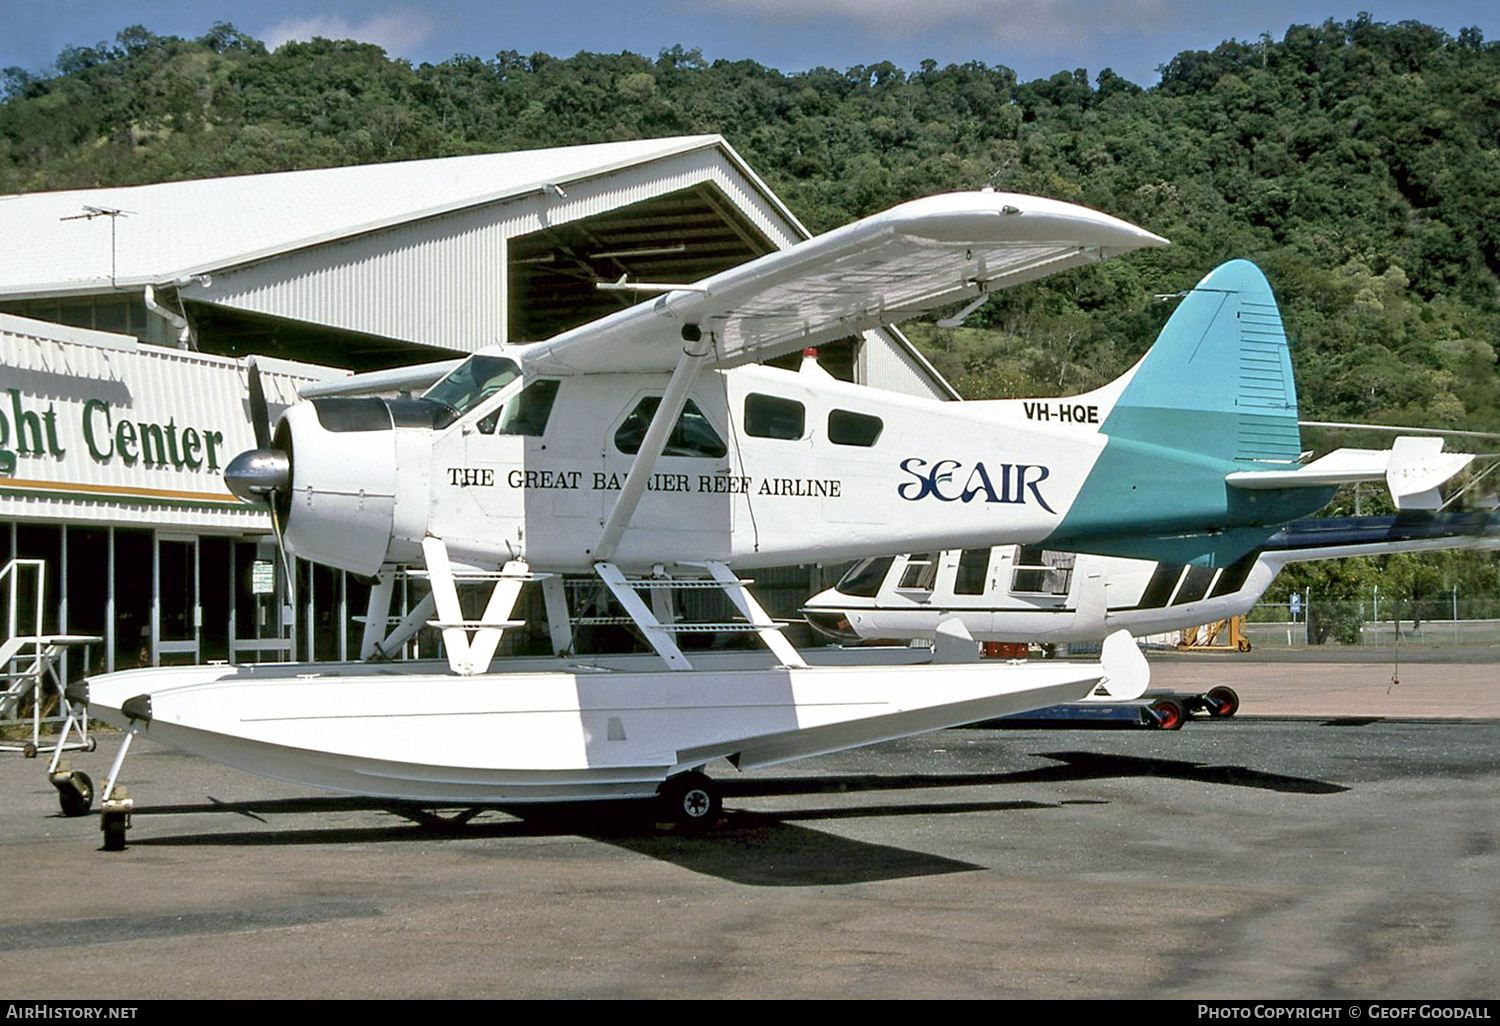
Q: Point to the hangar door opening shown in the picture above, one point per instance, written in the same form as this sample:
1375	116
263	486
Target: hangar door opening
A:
191	578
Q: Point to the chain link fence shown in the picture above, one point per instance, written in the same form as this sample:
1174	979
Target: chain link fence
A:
1439	620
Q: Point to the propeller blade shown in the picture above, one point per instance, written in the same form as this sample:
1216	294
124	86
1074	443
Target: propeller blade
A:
260	414
286	562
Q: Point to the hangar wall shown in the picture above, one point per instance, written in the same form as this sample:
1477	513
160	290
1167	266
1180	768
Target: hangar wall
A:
441	280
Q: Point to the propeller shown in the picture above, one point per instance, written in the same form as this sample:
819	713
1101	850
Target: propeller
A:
263	475
260	414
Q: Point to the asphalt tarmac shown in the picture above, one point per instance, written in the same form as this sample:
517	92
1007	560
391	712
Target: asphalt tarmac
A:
1337	839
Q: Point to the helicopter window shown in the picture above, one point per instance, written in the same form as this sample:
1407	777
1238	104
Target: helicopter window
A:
527	414
972	567
769	416
1041	571
863	579
920	572
848	428
693	435
472	382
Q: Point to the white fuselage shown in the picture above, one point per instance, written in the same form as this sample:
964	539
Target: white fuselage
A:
770	467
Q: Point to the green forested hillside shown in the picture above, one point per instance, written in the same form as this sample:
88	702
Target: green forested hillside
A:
1357	162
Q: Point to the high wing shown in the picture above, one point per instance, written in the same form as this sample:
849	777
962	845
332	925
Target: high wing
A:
879	270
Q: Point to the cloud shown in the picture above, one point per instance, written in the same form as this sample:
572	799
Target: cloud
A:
398	30
1045	24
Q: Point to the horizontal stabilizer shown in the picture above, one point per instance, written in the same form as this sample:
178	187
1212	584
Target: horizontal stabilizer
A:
1418	468
1413	469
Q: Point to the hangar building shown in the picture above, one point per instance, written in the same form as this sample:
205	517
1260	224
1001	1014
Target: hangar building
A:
126	314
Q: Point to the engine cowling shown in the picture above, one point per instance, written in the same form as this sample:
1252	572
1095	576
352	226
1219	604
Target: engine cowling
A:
340	505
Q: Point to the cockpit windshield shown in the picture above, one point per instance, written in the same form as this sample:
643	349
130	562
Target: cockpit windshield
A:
471	383
864	578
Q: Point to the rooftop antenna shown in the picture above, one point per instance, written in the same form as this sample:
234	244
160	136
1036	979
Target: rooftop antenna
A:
113	213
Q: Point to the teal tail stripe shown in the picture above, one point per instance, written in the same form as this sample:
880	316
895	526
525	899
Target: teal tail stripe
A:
1215	394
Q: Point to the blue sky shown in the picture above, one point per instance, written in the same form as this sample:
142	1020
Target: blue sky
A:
1034	37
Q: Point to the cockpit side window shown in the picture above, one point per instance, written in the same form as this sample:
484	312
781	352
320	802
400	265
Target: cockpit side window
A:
525	414
471	383
694	434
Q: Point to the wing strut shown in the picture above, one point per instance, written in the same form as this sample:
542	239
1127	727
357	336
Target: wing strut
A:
471	644
694	356
384	634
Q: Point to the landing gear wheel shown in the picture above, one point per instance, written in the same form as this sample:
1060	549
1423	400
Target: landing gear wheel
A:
691	800
29	750
1223	702
114	825
1169	713
91	744
75	792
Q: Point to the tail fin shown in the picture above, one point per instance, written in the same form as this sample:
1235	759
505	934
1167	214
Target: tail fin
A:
1212	400
1218	381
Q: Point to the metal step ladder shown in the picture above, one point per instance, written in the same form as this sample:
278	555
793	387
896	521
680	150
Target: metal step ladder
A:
660	626
29	666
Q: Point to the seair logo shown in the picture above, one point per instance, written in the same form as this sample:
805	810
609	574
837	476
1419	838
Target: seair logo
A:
1015	481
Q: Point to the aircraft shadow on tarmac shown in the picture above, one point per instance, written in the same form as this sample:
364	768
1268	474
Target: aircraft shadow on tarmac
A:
748	847
1075	765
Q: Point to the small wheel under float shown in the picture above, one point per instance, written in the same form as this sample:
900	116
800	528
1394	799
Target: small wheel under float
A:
691	801
114	819
114	825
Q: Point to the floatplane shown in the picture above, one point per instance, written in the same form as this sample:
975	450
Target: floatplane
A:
651	450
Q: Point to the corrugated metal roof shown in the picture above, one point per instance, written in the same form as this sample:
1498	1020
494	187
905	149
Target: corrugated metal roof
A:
60	241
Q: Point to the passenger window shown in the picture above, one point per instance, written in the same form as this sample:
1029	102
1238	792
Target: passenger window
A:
973	567
920	573
848	428
694	435
527	414
1041	571
769	416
